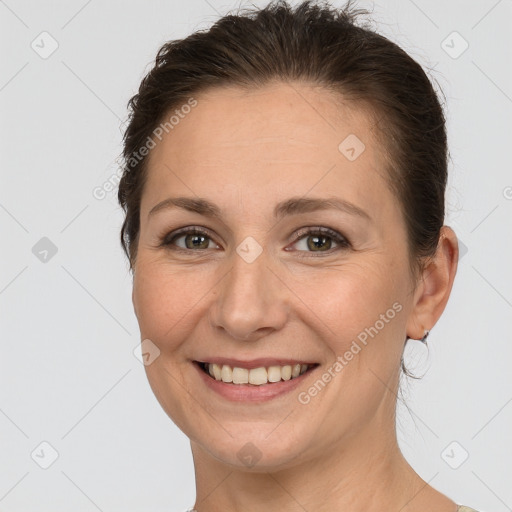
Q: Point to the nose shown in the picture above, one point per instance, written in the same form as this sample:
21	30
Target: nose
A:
252	300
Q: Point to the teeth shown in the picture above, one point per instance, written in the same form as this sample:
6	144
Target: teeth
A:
240	376
255	376
226	374
274	373
286	372
217	373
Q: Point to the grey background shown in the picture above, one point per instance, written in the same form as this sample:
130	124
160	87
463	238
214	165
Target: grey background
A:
68	373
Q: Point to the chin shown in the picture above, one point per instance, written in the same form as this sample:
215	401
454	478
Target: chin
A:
256	451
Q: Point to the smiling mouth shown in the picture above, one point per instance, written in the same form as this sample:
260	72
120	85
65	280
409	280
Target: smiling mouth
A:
255	376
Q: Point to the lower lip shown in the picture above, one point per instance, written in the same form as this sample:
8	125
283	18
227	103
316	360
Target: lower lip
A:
250	392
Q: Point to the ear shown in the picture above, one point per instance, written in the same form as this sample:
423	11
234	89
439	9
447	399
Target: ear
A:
435	285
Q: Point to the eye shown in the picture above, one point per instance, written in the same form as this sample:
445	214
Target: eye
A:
313	240
320	240
194	238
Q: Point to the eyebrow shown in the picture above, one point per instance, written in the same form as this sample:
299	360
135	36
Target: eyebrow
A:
292	206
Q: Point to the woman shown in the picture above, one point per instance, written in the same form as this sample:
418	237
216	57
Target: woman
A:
284	190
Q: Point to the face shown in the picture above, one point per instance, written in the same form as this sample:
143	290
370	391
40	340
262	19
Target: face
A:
271	276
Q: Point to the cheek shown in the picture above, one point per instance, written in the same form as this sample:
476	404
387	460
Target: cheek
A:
359	305
167	302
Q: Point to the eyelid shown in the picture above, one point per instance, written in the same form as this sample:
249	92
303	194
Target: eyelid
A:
308	230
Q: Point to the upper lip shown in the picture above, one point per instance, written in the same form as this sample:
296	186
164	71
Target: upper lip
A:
254	363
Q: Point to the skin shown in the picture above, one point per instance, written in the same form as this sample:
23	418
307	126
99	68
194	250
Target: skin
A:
246	151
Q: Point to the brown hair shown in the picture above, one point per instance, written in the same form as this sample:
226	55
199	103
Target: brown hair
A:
318	44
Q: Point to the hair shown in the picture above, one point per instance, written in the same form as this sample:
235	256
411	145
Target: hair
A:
320	45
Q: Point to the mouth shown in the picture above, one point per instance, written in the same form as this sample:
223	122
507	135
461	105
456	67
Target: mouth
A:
255	375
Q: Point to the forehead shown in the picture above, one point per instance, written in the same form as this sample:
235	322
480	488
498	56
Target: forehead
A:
272	142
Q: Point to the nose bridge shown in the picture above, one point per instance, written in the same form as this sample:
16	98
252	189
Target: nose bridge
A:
249	303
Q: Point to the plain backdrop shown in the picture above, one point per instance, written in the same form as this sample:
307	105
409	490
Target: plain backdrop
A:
73	396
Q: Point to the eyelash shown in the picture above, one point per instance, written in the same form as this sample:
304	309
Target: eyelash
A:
342	241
